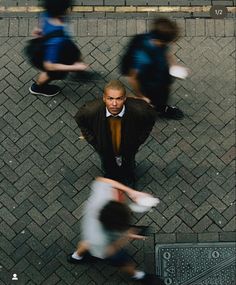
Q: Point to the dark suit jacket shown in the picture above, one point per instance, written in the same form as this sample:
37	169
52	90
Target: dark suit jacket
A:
136	125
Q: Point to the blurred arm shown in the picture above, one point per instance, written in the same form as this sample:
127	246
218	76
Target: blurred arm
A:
117	245
140	60
133	81
171	59
37	32
77	66
133	194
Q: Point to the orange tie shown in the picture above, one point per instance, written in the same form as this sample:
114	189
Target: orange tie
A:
115	127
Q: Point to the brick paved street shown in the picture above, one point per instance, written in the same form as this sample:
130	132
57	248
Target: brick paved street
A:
46	168
125	2
125	8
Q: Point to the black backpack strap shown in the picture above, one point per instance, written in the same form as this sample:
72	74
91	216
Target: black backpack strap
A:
54	34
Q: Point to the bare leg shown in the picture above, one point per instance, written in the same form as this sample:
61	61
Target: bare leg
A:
129	269
43	78
82	248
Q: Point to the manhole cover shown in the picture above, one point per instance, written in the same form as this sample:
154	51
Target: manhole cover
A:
197	264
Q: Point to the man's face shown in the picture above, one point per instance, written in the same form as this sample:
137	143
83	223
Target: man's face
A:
114	100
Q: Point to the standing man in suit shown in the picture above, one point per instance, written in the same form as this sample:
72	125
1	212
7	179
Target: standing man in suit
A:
116	126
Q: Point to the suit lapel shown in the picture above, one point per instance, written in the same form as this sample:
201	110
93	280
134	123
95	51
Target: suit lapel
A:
105	134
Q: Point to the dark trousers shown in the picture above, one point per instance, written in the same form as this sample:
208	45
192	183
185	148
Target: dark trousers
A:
158	92
57	75
160	98
123	173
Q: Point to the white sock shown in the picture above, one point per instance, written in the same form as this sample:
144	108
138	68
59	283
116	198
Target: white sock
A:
76	256
138	275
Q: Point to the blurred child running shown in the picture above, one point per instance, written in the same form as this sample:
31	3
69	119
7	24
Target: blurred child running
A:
106	229
60	53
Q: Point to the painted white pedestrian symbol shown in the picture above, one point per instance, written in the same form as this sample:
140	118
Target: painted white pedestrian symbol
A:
14	277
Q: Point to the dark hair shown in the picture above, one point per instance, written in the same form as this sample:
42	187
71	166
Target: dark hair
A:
115	216
165	30
57	8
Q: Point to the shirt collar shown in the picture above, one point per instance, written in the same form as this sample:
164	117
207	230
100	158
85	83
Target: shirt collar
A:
121	114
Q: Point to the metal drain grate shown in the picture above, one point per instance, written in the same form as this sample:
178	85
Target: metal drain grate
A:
197	264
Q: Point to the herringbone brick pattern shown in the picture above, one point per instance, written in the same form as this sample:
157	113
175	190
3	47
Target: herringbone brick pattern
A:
46	168
125	2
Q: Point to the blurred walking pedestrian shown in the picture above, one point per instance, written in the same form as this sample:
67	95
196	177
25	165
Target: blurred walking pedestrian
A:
116	126
146	64
60	54
106	230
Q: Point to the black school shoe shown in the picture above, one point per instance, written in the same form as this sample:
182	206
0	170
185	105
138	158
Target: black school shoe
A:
70	259
87	258
151	279
172	112
44	90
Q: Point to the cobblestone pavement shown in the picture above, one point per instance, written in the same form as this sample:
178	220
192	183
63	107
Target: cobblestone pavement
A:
125	2
46	169
127	8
